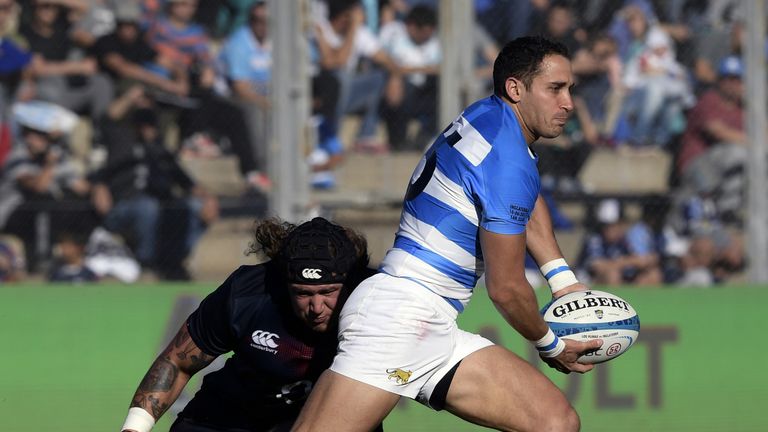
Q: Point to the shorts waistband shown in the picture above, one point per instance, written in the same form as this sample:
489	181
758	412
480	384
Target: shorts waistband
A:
455	303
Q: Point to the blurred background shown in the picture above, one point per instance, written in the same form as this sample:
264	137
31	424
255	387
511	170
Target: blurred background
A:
139	140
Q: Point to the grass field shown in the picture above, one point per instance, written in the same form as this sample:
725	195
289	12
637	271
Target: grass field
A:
72	357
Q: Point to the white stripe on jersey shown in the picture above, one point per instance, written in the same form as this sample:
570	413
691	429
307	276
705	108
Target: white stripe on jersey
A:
445	190
433	240
400	263
472	144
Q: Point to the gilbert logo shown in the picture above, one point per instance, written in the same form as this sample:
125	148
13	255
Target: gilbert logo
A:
265	341
310	273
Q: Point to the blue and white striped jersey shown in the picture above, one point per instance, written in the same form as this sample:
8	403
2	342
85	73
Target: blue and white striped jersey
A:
478	173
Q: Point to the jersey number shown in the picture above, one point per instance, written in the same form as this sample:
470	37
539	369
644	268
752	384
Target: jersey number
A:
428	163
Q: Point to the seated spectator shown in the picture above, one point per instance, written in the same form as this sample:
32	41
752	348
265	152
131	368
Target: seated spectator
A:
711	46
183	46
608	257
658	91
94	19
12	266
246	58
146	196
15	63
69	260
597	70
15	59
650	237
64	73
561	158
412	93
124	55
718	116
39	177
558	25
347	47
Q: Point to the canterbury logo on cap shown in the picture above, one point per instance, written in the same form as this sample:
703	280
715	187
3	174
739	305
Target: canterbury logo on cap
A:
311	273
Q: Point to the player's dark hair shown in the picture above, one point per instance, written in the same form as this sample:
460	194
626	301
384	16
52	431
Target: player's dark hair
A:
421	16
316	244
521	59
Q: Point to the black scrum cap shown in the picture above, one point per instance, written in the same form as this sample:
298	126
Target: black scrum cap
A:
318	252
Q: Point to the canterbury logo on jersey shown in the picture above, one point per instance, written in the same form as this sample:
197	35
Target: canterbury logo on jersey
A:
265	341
310	273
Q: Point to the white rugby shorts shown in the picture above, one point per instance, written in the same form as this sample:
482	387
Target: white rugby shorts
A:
397	335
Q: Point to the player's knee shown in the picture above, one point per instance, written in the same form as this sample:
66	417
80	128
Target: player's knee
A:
565	419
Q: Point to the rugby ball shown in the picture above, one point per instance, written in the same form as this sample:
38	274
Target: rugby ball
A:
588	315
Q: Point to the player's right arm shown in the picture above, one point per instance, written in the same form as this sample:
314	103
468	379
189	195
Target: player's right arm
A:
168	375
514	298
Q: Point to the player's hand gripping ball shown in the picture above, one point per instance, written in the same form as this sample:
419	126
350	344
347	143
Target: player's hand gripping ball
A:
588	315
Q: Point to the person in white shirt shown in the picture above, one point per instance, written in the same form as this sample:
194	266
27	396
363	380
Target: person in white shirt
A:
412	94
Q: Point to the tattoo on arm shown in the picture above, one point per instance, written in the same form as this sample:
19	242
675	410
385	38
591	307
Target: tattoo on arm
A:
181	359
187	353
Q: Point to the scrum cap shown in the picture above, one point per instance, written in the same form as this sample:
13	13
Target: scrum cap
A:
318	252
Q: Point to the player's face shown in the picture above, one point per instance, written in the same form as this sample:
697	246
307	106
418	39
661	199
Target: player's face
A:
315	304
545	106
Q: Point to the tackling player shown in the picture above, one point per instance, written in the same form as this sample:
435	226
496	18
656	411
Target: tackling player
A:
472	207
279	318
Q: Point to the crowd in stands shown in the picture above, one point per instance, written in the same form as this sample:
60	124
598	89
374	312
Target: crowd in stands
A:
650	75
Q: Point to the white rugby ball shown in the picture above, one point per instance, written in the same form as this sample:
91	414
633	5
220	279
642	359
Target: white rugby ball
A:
589	315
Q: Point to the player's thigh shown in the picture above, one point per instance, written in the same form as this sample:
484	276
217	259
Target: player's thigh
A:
339	403
495	388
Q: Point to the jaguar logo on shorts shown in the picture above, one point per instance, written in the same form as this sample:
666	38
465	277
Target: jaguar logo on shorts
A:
599	313
400	376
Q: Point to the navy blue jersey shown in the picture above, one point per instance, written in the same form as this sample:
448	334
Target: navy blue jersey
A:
276	357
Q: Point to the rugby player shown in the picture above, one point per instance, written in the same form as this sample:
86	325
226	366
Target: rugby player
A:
472	207
279	318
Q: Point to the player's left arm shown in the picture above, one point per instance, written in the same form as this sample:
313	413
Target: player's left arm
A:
168	375
542	244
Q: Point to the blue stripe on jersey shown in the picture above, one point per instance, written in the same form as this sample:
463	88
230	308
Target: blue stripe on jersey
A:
452	224
466	278
478	172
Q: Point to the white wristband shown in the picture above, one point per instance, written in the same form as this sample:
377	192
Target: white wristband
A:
558	274
550	345
138	420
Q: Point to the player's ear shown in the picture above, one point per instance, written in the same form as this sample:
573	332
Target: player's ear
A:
513	87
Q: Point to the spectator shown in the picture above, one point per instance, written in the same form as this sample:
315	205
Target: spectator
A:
11	259
718	116
712	259
561	158
69	265
342	42
412	94
183	46
608	257
15	59
137	192
598	70
94	19
14	73
64	74
39	177
124	54
650	237
657	87
246	57
559	26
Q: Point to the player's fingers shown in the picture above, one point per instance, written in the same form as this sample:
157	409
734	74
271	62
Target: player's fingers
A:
581	367
591	346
